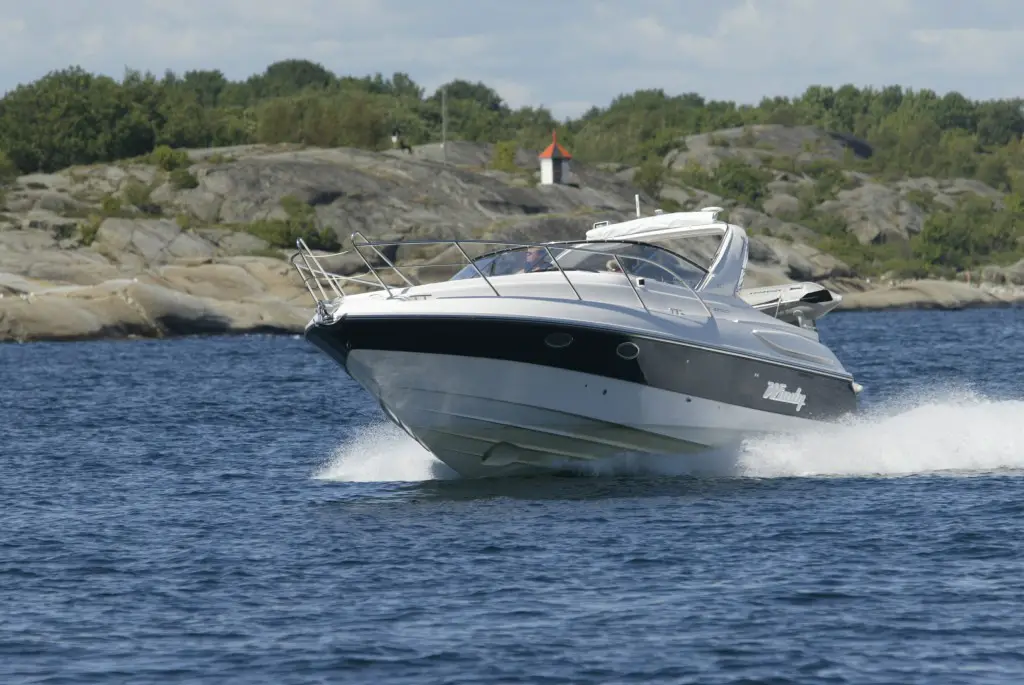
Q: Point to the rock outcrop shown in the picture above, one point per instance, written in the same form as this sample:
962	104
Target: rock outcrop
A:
129	249
931	294
1012	275
753	144
125	250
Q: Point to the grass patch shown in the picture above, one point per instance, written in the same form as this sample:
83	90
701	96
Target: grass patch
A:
300	223
219	158
184	222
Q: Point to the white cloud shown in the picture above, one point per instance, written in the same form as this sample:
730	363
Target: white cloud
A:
972	50
569	54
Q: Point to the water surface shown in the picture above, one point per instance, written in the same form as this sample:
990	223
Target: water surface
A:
233	510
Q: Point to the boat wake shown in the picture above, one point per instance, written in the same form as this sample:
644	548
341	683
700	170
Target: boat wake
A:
382	452
957	433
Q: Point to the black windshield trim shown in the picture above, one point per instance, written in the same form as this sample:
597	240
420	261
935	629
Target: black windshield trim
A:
569	243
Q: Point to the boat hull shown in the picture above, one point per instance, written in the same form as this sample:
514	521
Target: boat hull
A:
502	398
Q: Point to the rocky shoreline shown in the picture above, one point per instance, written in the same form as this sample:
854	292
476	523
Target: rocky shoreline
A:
933	294
141	249
143	308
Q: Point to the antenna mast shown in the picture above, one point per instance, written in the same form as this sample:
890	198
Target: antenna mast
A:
444	124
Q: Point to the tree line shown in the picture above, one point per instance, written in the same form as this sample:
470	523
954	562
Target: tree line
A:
71	117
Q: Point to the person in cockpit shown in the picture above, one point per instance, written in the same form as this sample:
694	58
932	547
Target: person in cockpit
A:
536	260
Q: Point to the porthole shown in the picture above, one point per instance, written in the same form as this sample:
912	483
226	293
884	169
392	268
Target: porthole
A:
558	340
627	350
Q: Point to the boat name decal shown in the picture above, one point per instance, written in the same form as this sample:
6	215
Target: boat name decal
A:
777	392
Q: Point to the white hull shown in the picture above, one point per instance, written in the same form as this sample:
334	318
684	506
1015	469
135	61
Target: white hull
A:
552	356
484	417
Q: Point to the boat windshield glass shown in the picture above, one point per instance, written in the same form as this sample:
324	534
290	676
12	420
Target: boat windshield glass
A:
647	261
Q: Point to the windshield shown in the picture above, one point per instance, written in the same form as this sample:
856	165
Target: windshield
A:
645	261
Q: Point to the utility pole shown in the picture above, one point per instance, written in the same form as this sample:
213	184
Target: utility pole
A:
444	125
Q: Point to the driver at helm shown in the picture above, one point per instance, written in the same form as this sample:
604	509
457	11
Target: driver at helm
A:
536	260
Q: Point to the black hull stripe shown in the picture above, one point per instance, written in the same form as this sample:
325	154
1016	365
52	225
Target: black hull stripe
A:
688	370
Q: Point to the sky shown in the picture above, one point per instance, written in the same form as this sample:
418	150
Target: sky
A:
566	55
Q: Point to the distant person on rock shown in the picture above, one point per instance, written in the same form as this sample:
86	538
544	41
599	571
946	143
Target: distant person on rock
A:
398	141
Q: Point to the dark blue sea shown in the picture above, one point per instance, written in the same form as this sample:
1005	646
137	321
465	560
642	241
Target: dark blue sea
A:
234	510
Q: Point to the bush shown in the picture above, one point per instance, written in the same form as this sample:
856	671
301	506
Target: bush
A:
169	159
504	157
111	205
137	195
972	233
301	223
650	177
734	179
88	230
285	234
923	199
8	172
742	182
995	172
183	179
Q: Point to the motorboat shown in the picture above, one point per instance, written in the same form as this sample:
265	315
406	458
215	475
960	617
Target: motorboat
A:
541	356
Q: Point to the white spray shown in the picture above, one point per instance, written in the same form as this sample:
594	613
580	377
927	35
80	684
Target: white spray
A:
957	433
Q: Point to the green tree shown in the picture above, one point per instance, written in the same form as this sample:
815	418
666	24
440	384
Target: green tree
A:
504	156
970	234
73	117
740	181
650	177
8	170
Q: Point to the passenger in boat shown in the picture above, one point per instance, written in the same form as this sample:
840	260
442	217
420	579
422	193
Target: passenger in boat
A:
537	260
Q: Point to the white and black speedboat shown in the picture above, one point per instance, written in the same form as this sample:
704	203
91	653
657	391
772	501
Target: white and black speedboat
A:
535	356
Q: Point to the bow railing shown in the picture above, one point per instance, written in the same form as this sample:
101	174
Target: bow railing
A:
326	286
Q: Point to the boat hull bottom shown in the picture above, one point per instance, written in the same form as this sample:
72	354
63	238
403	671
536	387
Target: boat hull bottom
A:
489	418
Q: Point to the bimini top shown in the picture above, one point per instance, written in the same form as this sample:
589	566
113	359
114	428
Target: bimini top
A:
725	275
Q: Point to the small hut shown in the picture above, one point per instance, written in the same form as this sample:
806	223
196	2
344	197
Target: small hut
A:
554	163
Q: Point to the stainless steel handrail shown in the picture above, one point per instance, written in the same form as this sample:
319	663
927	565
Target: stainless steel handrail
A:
373	271
331	280
477	267
312	267
554	261
352	239
632	285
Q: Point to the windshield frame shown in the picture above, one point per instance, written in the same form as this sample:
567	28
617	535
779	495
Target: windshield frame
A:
470	270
